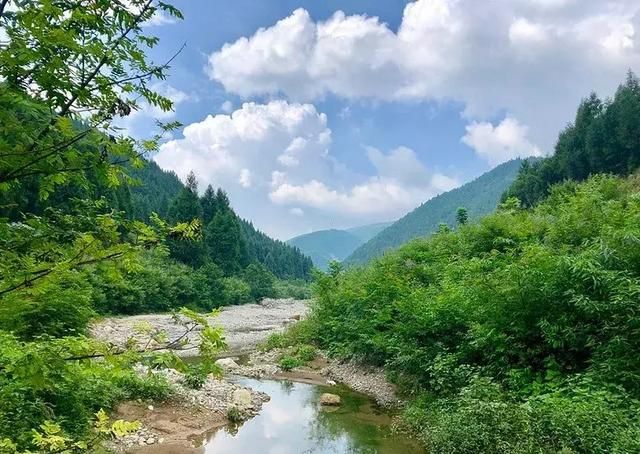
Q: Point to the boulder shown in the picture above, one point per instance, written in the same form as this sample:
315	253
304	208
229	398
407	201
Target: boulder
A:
241	399
227	364
329	399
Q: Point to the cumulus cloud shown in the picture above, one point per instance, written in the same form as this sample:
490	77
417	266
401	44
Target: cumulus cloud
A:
534	59
274	160
401	183
500	143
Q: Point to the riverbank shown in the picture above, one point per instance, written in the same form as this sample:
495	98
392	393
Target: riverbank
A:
183	422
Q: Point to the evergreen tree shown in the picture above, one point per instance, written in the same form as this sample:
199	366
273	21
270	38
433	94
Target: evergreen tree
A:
602	139
462	216
223	239
208	202
186	207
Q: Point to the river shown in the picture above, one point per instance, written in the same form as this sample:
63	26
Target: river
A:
293	422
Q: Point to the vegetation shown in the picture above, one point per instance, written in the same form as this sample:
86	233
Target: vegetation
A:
88	225
517	333
602	139
479	197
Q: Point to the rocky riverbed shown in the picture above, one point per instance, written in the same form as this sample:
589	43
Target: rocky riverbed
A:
244	326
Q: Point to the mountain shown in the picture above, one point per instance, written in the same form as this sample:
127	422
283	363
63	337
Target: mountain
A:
479	197
326	245
366	232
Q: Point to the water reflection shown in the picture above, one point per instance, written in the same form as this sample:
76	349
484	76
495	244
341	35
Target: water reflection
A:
293	423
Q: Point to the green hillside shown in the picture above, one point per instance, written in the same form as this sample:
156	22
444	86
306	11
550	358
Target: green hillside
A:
479	197
326	245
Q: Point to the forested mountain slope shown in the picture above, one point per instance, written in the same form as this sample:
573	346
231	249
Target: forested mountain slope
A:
479	197
326	245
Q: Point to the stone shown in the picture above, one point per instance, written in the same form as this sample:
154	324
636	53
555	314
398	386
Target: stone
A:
150	407
329	399
227	364
151	440
331	383
242	399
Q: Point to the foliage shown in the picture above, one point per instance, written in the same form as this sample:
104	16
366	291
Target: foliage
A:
236	291
296	289
480	197
518	305
234	415
260	281
288	363
602	139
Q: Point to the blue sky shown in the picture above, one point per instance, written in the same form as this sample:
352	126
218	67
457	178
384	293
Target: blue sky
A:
333	114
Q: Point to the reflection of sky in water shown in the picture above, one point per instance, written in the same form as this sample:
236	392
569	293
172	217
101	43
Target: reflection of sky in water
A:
293	423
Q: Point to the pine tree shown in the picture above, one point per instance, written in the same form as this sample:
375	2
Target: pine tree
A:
223	239
208	202
462	216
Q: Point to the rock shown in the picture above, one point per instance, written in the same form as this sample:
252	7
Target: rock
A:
329	399
227	364
151	440
331	383
242	399
296	317
150	407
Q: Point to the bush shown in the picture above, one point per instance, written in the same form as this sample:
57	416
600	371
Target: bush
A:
305	353
288	363
260	281
297	289
236	291
195	378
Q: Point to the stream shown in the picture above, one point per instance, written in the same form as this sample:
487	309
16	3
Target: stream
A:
293	422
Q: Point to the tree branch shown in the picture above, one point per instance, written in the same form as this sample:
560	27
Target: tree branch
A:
3	5
37	275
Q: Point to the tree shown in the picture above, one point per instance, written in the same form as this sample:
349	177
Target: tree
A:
223	239
68	70
260	280
208	202
185	207
462	216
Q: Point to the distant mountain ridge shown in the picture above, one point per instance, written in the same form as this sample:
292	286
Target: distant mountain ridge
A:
323	246
479	197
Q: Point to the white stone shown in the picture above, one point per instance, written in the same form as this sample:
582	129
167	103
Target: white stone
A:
242	399
329	399
227	364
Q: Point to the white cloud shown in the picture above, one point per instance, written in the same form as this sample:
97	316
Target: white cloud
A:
532	58
245	178
274	160
401	183
500	143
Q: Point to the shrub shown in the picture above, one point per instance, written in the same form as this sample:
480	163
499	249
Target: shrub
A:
288	363
234	415
305	353
236	291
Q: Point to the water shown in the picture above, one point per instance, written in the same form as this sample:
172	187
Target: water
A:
293	422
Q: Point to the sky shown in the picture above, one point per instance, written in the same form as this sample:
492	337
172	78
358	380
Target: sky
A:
333	114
